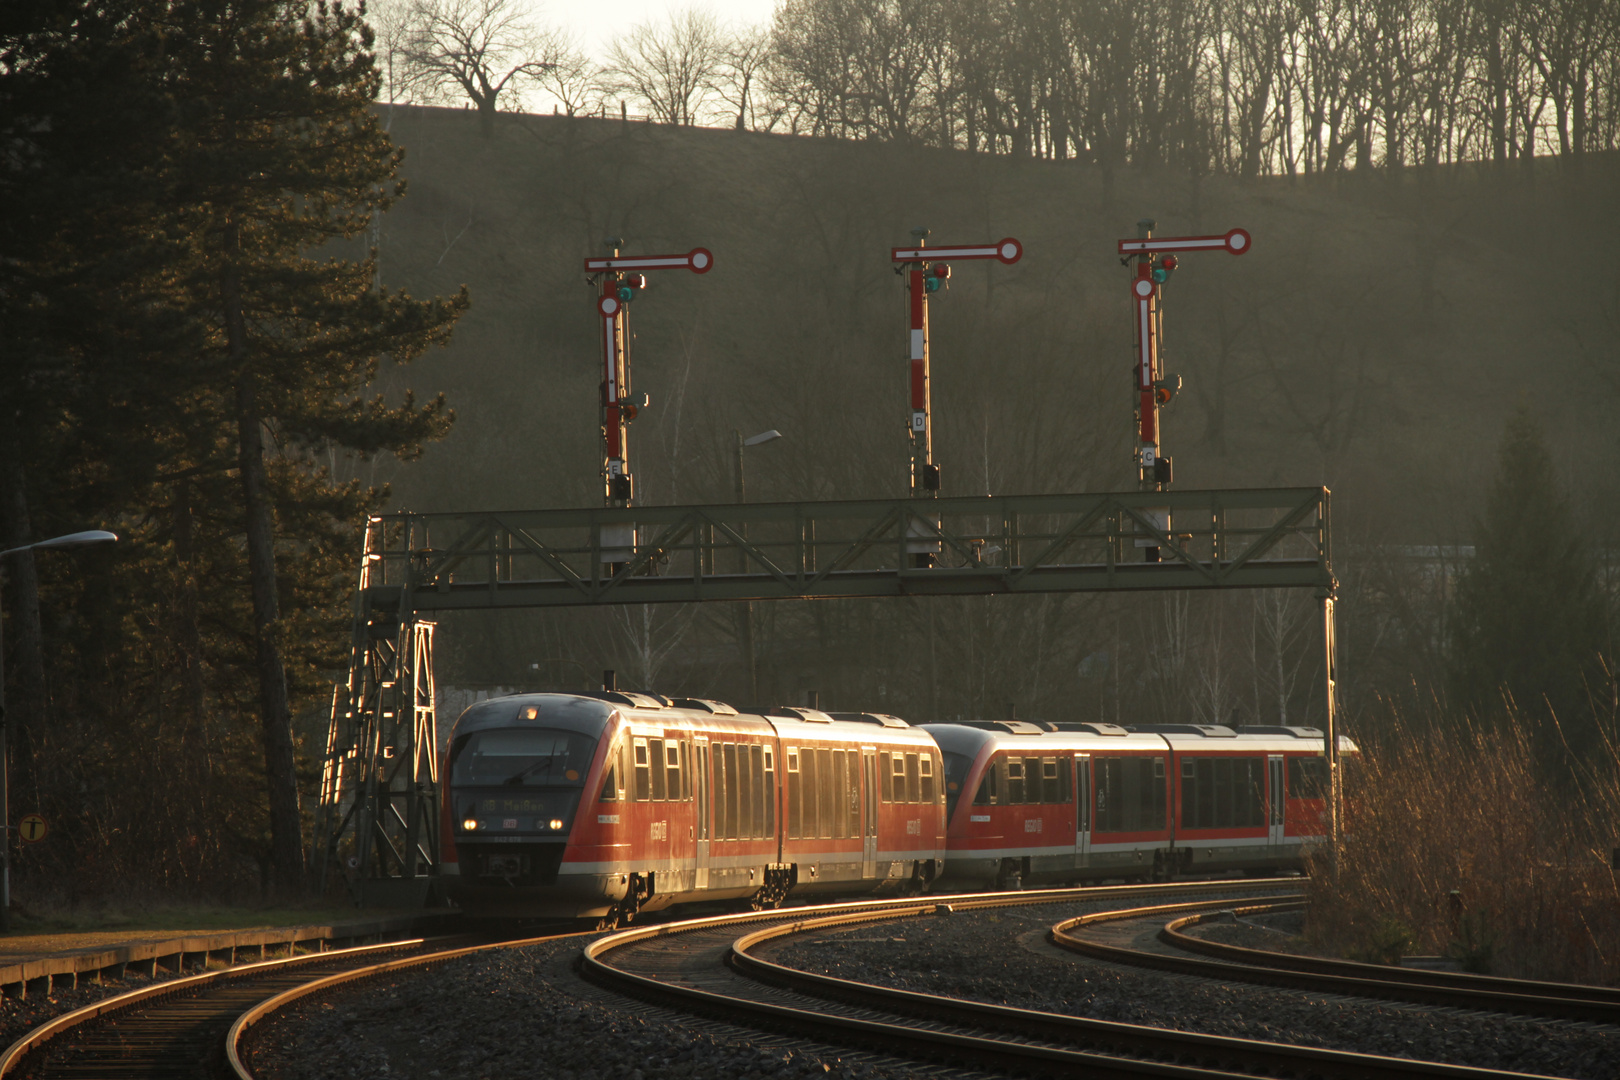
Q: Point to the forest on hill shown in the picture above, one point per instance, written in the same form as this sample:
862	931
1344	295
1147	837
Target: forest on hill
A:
1380	335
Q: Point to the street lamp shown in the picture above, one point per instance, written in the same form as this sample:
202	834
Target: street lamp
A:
71	540
747	634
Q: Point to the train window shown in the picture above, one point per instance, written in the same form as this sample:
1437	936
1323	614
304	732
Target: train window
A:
825	796
1222	792
1065	781
887	771
809	763
913	779
768	788
1015	781
989	793
897	770
956	770
1307	778
836	790
925	793
655	751
1130	793
794	793
728	764
672	770
643	772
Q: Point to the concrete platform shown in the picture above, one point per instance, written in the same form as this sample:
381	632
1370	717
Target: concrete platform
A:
39	963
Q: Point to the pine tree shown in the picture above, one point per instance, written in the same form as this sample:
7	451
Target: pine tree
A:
275	153
1528	625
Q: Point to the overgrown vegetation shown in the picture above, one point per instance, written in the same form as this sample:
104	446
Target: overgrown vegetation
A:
1455	844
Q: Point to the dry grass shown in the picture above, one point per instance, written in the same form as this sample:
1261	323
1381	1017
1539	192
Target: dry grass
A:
1455	844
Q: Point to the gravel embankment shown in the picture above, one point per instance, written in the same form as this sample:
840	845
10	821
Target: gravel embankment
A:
516	1013
1003	957
526	1013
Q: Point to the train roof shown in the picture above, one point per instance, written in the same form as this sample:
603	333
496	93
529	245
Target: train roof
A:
1101	738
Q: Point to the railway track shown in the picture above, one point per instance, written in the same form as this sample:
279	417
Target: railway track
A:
704	968
718	968
1520	997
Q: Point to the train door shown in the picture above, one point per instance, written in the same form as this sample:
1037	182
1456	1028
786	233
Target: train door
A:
869	812
700	800
1082	809
1274	766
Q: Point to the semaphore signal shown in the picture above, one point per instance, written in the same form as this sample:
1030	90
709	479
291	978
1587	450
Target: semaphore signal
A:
1156	260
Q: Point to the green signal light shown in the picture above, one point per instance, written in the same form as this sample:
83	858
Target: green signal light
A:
1160	275
627	294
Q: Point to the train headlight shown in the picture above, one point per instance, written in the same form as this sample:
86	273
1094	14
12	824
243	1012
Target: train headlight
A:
555	823
471	824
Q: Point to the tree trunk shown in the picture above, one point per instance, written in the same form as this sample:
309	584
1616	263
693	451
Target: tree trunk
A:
27	698
281	778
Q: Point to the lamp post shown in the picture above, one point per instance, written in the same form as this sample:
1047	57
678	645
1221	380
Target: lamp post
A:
71	540
747	634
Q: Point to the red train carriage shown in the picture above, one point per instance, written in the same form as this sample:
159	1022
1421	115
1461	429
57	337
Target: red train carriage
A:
1031	805
588	805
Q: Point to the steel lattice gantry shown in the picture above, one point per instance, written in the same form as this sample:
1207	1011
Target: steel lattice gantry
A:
377	820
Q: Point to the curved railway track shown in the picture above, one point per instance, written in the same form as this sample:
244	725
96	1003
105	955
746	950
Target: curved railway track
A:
1521	997
716	968
701	967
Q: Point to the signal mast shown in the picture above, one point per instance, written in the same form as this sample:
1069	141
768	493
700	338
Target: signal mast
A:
922	279
621	281
1155	262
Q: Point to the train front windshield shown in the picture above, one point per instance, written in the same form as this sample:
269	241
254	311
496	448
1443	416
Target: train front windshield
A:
523	758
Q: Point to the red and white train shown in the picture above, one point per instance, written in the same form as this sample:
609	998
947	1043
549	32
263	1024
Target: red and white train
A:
605	804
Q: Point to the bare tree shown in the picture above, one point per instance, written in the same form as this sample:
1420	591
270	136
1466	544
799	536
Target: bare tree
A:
569	75
670	68
739	81
480	48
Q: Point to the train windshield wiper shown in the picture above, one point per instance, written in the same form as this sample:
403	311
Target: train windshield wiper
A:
518	778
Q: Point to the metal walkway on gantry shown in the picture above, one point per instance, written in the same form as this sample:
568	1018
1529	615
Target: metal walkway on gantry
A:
378	814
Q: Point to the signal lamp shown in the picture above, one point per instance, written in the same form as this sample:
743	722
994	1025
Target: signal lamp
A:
1169	262
471	824
555	823
931	284
942	271
635	281
627	294
1160	276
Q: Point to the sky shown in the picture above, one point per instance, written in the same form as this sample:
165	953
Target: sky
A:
594	23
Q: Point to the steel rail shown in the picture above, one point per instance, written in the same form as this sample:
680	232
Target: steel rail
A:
56	1026
1106	1036
1172	935
1113	1050
239	1029
1375	983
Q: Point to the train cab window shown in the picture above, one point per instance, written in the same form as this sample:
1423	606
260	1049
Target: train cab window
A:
956	770
1307	778
527	757
989	793
613	782
925	792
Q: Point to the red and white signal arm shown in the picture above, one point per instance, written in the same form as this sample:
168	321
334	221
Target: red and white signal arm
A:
1007	250
1237	242
698	260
